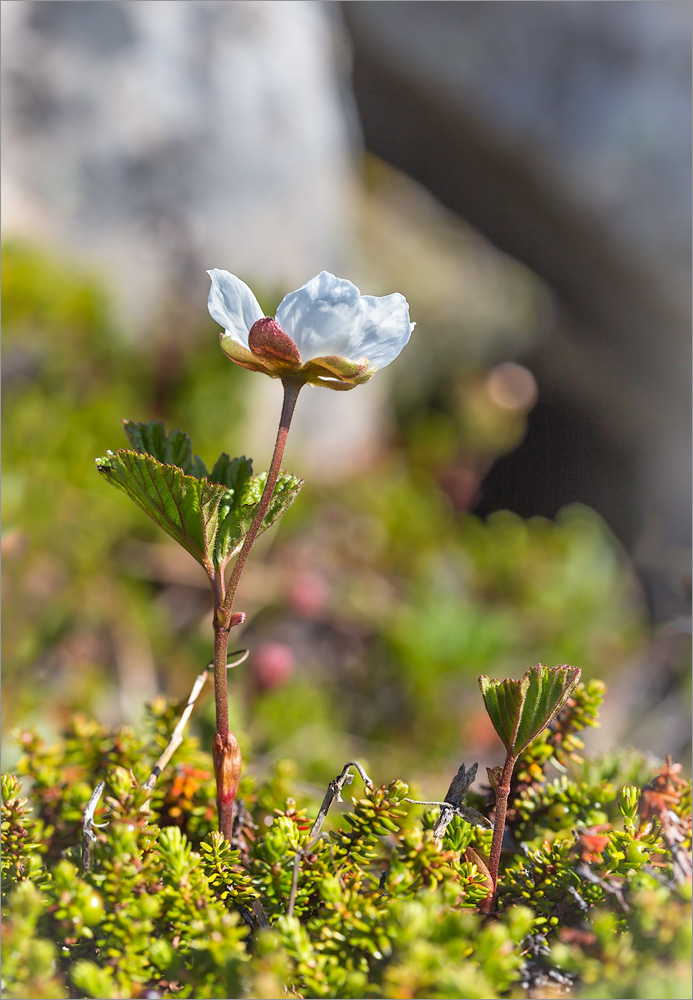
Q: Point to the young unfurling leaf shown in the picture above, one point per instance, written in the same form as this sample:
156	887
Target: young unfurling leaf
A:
521	709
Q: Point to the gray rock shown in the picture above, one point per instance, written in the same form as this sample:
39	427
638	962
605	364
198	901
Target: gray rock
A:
158	139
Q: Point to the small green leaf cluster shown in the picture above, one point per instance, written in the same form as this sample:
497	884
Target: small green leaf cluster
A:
374	905
273	866
374	816
145	914
222	866
21	839
63	777
560	806
459	837
29	959
651	959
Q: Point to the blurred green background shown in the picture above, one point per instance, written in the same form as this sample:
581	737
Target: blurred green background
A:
378	600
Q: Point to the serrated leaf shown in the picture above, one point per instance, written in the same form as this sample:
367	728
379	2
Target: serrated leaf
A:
174	448
186	508
208	514
233	473
237	513
521	709
236	475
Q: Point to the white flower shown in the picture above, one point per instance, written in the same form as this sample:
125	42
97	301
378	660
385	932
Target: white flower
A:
325	332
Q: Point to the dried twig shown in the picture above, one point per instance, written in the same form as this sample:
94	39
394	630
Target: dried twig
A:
88	826
294	883
177	734
454	804
242	821
334	791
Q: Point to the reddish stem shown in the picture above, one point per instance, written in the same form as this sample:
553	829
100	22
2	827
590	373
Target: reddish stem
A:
221	695
226	755
291	391
502	793
225	749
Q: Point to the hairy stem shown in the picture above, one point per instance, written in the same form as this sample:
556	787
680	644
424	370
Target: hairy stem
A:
291	391
502	793
225	750
226	753
221	694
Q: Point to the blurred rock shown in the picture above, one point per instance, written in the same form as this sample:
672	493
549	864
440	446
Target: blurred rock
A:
562	131
157	139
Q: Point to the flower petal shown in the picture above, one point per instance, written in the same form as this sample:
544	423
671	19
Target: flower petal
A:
386	328
323	317
232	304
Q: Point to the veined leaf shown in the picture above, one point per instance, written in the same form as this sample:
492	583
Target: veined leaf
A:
237	513
233	473
208	514
521	709
184	506
174	448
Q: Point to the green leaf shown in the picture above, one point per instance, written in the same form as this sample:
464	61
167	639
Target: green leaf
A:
208	514
174	448
233	473
185	507
521	709
237	513
93	981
